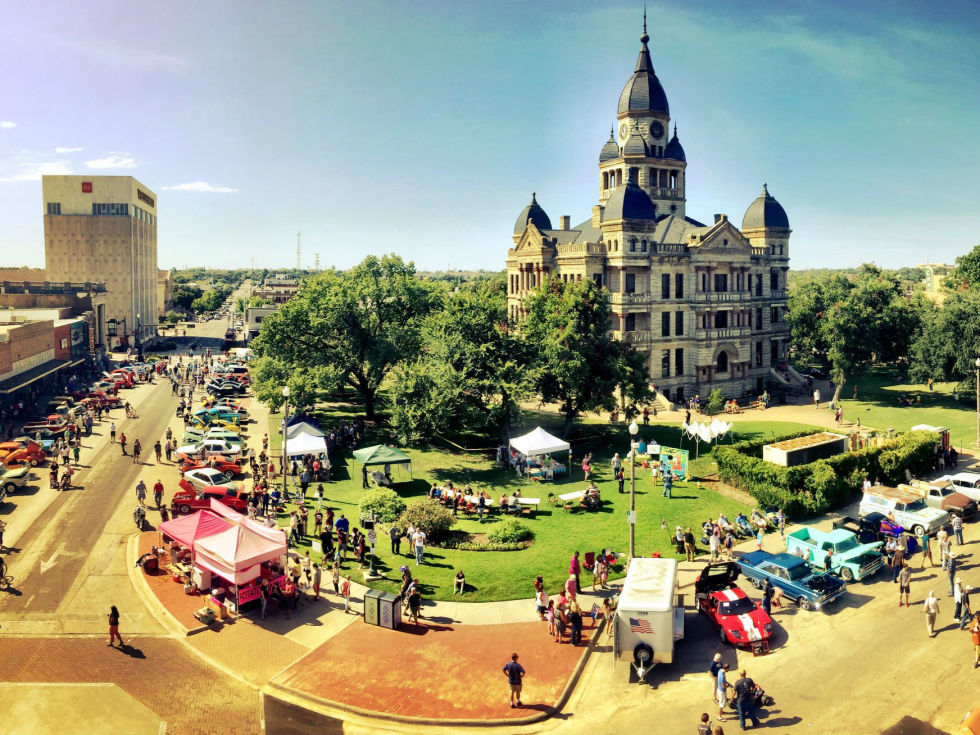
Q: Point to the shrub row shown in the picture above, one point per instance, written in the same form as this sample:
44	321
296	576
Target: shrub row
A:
486	546
826	483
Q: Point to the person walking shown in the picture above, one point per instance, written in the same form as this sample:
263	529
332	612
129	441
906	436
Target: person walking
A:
137	450
767	592
951	567
931	608
364	477
967	612
345	591
515	680
158	450
621	480
419	541
957	598
76	451
317	576
716	665
114	627
395	537
3	527
745	699
335	576
168	449
957	524
926	551
158	493
141	492
122	443
904	580
898	558
668	483
689	548
112	433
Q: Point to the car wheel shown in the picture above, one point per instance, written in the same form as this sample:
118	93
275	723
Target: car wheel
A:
642	654
184	509
33	463
229	474
723	635
804	603
9	488
755	583
919	531
846	574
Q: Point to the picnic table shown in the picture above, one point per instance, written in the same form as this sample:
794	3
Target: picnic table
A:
528	501
475	500
577	495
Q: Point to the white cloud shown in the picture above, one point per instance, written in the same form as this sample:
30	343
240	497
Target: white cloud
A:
201	186
33	170
7	124
113	160
63	149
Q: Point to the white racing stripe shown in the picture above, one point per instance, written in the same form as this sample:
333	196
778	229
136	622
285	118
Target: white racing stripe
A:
748	625
729	595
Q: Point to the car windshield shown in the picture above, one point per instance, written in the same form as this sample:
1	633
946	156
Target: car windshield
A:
798	572
736	607
915	505
847	544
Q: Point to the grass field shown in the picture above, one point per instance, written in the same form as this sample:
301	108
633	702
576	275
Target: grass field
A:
509	574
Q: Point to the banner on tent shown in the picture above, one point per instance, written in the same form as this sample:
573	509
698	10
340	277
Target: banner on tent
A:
676	460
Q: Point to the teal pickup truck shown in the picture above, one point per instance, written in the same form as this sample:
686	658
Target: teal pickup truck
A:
850	559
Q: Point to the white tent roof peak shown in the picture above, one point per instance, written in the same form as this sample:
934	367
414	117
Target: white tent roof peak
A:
539	442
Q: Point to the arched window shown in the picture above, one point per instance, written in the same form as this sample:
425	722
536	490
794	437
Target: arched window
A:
632	244
619	177
605	179
643	246
722	366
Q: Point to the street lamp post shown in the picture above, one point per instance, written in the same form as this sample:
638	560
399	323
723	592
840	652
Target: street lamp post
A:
139	344
977	364
285	447
632	517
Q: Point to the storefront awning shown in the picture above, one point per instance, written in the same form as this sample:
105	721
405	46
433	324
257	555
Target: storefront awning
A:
24	379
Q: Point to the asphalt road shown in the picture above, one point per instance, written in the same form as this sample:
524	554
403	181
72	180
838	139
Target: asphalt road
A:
71	559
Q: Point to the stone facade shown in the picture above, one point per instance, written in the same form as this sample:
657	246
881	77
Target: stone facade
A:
705	303
104	229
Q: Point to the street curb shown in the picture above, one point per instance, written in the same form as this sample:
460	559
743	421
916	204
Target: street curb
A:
331	708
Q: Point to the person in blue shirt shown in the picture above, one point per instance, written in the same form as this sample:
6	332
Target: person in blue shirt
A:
668	482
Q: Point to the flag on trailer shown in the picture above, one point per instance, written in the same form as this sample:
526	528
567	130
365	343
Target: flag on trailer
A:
640	626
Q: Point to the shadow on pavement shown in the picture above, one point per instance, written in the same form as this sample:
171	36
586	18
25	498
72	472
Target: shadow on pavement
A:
131	651
911	726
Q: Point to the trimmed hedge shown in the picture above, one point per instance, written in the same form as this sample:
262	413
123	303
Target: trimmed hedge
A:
826	483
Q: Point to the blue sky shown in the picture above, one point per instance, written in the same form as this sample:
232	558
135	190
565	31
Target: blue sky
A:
423	127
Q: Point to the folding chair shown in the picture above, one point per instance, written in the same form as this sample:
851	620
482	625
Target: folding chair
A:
589	560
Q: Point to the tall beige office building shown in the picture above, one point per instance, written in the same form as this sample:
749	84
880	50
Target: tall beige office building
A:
104	228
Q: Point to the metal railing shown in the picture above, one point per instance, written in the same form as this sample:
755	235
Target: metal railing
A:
50	287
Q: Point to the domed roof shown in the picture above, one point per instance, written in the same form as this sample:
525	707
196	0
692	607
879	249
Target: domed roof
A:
610	150
532	213
674	150
643	91
765	212
635	145
629	202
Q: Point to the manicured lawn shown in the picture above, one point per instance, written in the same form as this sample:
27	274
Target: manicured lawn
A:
509	574
877	406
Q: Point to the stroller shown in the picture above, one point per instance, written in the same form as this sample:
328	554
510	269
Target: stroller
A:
759	698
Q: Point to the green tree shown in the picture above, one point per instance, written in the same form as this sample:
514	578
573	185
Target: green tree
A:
351	328
950	340
578	365
855	322
472	370
185	294
967	271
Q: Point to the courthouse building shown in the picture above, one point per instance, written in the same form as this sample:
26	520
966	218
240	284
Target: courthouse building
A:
104	229
705	302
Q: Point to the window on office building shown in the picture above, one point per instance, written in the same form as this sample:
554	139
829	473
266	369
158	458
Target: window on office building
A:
679	323
665	286
721	282
721	319
758	318
630	283
665	363
678	362
665	324
630	323
678	285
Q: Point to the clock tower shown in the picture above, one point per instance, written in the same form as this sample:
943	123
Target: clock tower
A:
639	147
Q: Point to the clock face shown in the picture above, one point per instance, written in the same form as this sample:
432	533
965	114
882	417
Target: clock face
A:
622	131
656	130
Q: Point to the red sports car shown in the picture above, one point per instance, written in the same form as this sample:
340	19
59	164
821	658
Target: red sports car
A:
185	501
740	621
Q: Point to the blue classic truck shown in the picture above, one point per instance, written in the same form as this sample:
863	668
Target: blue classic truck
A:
850	559
792	575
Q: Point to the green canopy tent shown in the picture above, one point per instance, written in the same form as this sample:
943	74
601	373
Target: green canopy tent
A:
381	454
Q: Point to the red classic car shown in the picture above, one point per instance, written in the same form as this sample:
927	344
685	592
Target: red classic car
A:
22	449
101	398
228	468
185	501
740	621
55	423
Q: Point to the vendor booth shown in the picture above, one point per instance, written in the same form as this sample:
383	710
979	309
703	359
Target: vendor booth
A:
382	455
301	443
533	449
184	532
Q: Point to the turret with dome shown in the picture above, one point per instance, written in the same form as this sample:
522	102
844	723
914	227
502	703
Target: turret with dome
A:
706	303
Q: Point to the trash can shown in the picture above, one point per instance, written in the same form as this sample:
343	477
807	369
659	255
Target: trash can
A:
372	599
390	611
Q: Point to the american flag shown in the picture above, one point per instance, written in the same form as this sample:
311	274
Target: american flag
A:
640	626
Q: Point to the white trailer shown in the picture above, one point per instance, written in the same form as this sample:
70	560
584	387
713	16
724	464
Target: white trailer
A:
648	621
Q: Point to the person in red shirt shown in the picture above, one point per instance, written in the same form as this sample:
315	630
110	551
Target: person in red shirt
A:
158	493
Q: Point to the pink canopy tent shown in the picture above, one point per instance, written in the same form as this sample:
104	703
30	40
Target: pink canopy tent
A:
188	529
236	554
274	534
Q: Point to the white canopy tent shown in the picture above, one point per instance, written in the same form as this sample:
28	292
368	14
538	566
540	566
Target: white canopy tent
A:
302	443
539	442
302	428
